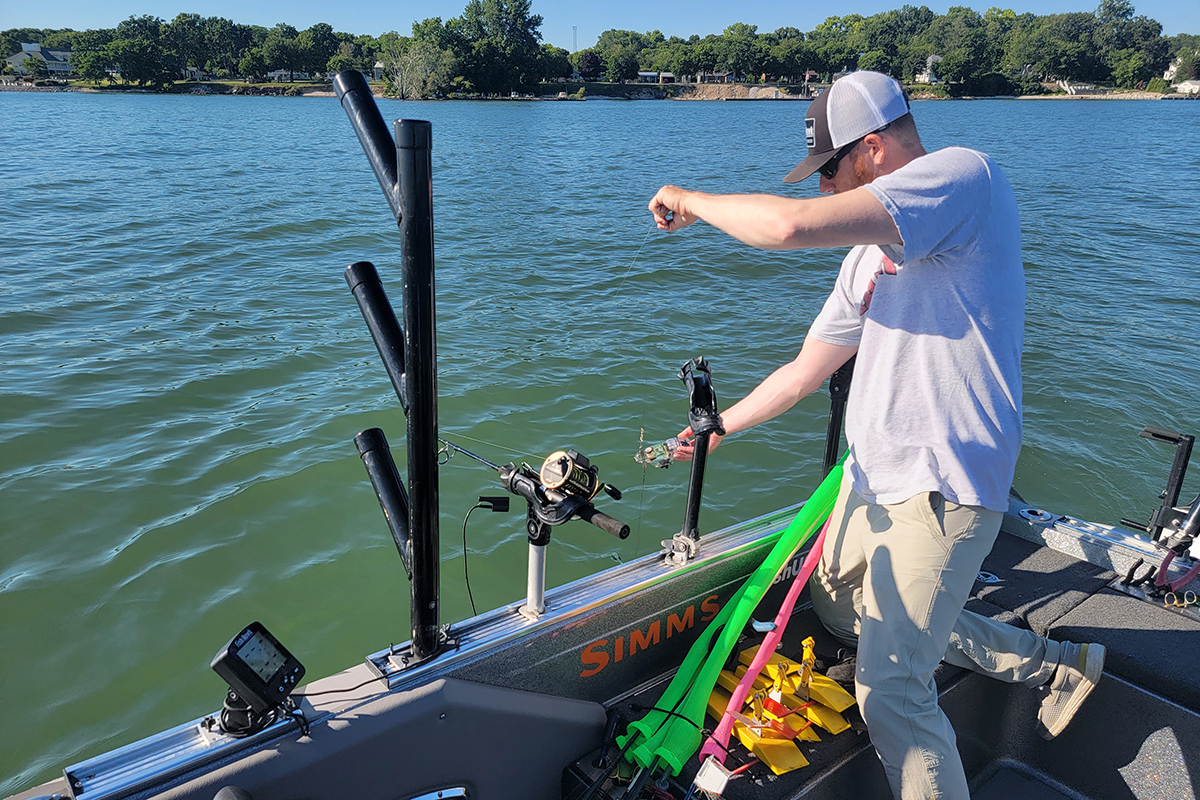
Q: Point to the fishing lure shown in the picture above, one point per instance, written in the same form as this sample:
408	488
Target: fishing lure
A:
662	454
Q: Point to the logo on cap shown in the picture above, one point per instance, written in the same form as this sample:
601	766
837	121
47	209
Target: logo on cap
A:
810	132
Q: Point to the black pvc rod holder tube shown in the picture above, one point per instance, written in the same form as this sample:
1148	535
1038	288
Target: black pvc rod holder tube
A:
364	282
381	468
1191	523
359	104
691	511
414	169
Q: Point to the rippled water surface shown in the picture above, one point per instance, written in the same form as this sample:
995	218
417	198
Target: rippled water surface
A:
182	368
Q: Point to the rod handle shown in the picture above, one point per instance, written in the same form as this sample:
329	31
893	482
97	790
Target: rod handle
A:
604	522
1161	435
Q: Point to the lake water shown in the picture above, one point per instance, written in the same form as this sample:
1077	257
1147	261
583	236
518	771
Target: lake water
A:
182	368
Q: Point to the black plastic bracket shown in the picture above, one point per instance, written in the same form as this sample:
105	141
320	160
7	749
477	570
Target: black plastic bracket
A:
839	393
1169	515
703	415
543	513
705	421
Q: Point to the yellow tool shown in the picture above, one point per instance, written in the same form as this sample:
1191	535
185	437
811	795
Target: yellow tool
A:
781	755
824	690
789	699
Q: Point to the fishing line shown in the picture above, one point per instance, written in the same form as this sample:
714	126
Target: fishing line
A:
500	447
637	541
635	258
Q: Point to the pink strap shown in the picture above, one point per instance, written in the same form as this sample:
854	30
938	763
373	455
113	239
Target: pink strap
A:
717	745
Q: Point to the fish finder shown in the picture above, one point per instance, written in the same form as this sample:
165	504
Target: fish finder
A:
258	669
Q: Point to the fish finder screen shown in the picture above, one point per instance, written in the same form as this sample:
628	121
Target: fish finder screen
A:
262	657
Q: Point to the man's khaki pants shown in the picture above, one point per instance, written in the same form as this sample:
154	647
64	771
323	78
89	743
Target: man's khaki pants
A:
894	578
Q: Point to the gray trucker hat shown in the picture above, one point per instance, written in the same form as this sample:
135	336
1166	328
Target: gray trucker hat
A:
858	104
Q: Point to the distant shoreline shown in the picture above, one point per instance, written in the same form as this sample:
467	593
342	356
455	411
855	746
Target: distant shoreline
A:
737	92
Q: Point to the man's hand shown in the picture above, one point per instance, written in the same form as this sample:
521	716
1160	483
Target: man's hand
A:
687	451
668	209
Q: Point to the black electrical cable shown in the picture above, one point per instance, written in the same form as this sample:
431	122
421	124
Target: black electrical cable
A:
238	720
637	707
297	714
466	575
338	691
592	788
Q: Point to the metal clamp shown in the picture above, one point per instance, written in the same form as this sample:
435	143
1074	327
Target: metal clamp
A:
679	549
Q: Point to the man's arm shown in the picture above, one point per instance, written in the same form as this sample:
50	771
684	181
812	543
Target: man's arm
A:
780	223
781	390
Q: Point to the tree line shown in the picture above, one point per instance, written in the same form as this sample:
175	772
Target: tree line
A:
1109	45
495	46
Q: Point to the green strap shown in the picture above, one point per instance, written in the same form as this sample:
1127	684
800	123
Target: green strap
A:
673	738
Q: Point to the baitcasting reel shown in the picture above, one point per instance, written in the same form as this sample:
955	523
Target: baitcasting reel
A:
570	473
561	491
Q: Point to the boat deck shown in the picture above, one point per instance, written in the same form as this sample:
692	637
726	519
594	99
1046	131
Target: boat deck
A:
1138	736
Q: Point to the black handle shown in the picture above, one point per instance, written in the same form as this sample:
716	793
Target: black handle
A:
604	522
1161	435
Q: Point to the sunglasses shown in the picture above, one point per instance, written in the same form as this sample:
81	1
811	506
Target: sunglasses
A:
829	169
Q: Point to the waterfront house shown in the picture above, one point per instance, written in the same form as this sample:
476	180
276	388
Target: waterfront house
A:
286	75
58	62
656	77
1188	87
1171	71
929	75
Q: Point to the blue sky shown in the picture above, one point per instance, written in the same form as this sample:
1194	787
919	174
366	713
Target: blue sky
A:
673	19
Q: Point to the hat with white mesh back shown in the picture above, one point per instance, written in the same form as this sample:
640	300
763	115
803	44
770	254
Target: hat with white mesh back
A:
857	104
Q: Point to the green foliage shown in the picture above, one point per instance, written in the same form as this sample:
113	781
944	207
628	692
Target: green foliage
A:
495	47
338	62
11	40
990	84
281	50
876	60
1188	68
316	46
423	71
35	68
496	43
1028	85
1183	44
184	37
553	63
590	65
620	65
141	51
1157	84
253	65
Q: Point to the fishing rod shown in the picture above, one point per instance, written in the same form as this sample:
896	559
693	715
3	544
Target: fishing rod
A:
467	453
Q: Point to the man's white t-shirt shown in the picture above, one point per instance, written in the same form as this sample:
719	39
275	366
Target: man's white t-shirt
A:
935	404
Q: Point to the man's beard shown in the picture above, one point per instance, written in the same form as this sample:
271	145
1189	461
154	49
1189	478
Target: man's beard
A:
864	169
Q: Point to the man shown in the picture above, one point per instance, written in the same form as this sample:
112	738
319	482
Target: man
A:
931	300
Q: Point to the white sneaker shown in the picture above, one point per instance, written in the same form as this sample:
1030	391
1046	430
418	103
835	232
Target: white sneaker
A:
1079	669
